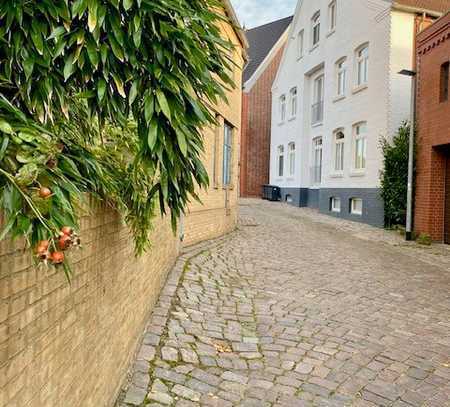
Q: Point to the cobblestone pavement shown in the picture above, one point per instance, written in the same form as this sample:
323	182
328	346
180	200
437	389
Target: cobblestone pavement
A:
288	311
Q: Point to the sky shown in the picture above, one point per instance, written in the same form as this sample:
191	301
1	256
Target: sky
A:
252	13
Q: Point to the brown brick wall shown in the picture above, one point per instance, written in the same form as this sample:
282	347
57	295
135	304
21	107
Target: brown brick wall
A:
433	118
256	127
67	345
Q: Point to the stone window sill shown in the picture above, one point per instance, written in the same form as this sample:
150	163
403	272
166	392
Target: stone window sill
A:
360	88
358	173
338	98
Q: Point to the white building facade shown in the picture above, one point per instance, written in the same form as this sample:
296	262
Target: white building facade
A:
336	95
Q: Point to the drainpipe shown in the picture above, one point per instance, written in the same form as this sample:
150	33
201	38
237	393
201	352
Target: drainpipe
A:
409	203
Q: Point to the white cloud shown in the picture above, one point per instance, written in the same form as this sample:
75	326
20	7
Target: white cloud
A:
252	13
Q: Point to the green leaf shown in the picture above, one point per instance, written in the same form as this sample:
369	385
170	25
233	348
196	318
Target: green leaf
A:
152	134
8	226
133	92
92	53
162	101
127	4
38	42
182	142
101	88
56	33
28	65
5	127
4	147
69	67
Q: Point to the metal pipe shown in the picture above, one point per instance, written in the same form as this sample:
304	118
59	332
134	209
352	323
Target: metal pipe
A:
409	209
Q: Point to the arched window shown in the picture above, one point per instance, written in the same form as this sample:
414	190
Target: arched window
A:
362	65
315	29
360	146
339	146
341	73
280	160
317	161
291	158
282	108
293	102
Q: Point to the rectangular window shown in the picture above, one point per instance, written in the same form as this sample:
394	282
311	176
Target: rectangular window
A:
444	82
315	29
317	107
293	94
362	60
291	155
360	148
227	154
332	12
283	108
300	43
356	206
335	204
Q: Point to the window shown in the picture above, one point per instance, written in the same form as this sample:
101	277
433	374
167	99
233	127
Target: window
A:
362	65
280	160
315	35
340	77
283	108
227	156
360	131
317	107
317	161
291	158
339	144
293	110
444	82
356	206
335	204
332	13
300	43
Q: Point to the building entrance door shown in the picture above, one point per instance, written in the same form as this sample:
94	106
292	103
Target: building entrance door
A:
447	202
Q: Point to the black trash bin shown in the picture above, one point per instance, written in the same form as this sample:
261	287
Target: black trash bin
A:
271	193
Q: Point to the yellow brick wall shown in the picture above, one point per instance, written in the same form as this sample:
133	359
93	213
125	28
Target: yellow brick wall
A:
67	345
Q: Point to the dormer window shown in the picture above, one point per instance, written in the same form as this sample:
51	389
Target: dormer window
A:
315	29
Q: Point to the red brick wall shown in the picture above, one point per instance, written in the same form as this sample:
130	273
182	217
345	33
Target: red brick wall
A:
433	118
256	124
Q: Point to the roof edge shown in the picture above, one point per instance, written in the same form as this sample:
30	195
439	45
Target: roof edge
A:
236	24
411	9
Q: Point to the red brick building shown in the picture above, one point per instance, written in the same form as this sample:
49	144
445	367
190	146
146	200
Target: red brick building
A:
265	52
432	209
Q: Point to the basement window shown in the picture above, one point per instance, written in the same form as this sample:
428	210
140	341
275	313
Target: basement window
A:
443	94
356	206
335	204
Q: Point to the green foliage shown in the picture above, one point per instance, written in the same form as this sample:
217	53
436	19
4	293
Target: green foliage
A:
121	91
424	239
394	177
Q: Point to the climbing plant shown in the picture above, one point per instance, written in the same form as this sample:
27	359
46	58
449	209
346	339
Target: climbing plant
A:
394	177
107	97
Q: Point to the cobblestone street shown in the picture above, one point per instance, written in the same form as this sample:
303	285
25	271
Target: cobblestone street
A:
290	310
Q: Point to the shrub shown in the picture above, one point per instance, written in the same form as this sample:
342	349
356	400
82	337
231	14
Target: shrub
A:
424	239
394	177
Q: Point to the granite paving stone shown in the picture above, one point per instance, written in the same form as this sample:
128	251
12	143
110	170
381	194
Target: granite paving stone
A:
299	310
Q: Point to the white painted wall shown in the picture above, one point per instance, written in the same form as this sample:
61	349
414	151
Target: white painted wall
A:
383	104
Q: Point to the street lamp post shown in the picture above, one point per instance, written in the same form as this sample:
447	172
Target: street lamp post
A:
409	204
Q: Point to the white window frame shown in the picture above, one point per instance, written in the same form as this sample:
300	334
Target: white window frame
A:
291	158
315	29
318	100
280	161
339	151
341	77
336	204
300	44
362	54
332	16
282	108
360	146
227	155
293	105
354	210
317	160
